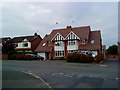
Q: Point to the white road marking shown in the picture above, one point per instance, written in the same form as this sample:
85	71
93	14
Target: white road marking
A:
29	73
103	65
90	76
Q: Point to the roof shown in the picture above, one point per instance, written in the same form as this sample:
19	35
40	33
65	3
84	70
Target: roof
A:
46	48
81	32
4	39
29	38
96	36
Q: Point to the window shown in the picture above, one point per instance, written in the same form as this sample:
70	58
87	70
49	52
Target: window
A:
83	41
25	44
71	42
16	44
59	53
92	41
58	43
70	51
44	44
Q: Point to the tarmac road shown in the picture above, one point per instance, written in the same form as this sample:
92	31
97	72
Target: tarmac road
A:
59	74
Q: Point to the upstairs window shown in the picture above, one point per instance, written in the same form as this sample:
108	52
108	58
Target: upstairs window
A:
25	44
92	41
58	43
72	42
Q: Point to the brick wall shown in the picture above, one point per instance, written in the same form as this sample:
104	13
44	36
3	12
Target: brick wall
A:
111	56
4	56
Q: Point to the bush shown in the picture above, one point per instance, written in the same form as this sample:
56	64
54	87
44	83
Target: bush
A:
99	58
79	57
19	57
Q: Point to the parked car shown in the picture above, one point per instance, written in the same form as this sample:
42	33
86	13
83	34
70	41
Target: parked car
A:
88	53
35	56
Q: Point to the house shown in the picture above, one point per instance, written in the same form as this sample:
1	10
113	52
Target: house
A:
3	40
27	43
60	42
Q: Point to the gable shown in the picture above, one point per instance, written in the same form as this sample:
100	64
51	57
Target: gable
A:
71	36
25	40
58	37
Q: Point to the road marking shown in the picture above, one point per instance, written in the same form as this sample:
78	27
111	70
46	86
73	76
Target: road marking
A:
29	73
90	76
103	65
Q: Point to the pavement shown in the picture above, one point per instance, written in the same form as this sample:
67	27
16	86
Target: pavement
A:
59	74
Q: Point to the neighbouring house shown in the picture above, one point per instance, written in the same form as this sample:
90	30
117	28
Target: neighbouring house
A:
2	40
60	42
27	43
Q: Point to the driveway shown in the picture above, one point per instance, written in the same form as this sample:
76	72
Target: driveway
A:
59	74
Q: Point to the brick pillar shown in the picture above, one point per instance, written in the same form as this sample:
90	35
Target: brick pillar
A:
52	52
65	46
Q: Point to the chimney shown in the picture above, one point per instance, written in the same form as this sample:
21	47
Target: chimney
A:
69	28
35	34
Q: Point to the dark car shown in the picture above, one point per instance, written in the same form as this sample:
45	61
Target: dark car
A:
38	57
35	57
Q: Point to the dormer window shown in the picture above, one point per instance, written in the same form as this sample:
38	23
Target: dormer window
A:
92	41
83	41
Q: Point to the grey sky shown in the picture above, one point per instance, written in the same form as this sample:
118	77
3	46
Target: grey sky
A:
27	18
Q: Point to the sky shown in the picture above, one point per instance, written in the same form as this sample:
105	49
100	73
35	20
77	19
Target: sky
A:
26	18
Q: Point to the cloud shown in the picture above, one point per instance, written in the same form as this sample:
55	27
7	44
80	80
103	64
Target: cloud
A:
30	17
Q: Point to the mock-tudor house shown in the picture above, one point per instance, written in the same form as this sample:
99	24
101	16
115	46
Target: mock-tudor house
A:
60	42
27	43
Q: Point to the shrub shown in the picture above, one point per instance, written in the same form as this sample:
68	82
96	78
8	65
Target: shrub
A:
79	57
99	58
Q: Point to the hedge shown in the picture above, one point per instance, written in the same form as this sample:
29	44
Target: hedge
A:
79	57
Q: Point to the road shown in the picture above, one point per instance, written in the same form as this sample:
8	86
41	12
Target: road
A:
59	74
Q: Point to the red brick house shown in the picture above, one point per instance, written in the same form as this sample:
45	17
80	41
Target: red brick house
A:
60	42
27	43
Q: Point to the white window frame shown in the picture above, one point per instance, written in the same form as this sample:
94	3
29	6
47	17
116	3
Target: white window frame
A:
71	42
24	44
58	43
59	53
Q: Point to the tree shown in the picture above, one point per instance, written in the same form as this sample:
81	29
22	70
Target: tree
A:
112	49
8	47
